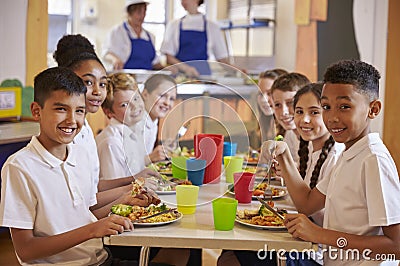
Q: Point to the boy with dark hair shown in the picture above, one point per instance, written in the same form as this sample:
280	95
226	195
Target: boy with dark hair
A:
48	186
362	194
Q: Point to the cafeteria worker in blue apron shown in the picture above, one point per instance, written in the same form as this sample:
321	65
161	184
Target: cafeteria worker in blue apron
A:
193	37
129	45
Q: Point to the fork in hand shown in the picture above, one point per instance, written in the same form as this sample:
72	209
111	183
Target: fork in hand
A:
268	190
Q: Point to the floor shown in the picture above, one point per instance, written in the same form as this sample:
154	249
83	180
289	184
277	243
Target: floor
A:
7	255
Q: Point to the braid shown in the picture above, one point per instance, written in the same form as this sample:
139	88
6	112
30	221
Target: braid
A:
322	157
303	154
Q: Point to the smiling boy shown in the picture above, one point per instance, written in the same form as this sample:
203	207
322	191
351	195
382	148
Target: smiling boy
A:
48	186
362	194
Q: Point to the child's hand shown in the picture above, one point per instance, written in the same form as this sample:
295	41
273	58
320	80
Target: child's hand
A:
277	168
301	227
138	200
271	148
158	154
149	182
111	225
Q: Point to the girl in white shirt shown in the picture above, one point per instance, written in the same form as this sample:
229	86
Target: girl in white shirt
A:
77	53
325	151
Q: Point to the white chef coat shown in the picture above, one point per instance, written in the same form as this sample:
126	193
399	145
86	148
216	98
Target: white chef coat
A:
216	46
118	42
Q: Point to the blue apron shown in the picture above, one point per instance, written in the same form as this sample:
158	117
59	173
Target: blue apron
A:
142	53
193	46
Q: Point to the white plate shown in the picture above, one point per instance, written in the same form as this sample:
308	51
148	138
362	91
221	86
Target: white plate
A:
165	192
263	227
160	223
284	191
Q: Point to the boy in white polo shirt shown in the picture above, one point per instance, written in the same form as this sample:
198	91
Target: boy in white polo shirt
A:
47	187
362	194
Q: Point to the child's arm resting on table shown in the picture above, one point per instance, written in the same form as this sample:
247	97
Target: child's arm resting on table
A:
306	200
388	243
30	247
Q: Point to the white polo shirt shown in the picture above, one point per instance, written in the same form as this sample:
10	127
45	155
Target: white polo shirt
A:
118	42
216	46
51	196
85	138
121	151
363	192
293	143
324	173
149	129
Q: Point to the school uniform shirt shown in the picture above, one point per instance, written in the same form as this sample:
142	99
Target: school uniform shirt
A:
118	42
293	143
326	168
216	46
85	138
149	129
51	196
121	151
362	193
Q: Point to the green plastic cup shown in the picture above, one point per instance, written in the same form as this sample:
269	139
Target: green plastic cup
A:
179	167
186	198
224	212
232	165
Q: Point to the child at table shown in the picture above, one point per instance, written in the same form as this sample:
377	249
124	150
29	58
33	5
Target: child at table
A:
283	90
77	53
325	152
362	193
263	107
117	145
47	187
159	95
316	165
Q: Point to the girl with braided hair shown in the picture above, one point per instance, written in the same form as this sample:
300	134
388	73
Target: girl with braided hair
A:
314	165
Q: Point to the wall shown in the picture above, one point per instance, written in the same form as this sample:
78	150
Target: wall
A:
370	22
12	44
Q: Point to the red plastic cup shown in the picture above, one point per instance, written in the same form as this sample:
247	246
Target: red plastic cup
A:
243	186
210	147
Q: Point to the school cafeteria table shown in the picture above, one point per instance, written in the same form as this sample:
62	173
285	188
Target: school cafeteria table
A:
197	230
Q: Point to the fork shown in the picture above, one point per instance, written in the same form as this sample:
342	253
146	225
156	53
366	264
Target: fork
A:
268	191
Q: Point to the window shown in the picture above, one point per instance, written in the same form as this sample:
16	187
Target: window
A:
155	20
60	23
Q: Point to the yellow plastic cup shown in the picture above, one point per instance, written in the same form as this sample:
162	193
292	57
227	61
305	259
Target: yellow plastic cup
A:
232	165
224	212
186	198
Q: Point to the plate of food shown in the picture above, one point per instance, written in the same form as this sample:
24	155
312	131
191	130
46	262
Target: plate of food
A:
260	218
277	191
169	186
153	215
163	167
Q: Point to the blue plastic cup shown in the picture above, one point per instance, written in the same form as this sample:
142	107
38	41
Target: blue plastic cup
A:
195	171
230	148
